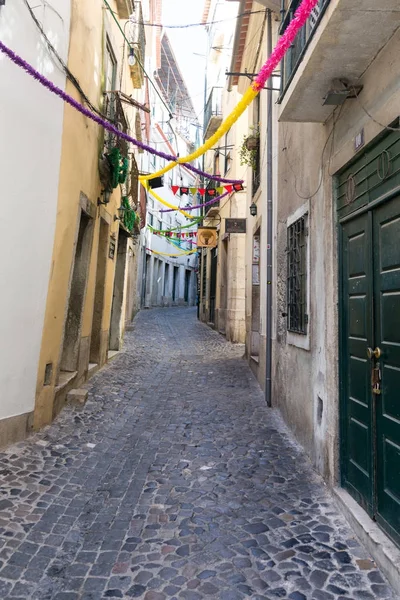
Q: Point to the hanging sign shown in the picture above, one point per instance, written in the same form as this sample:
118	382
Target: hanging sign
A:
235	225
206	237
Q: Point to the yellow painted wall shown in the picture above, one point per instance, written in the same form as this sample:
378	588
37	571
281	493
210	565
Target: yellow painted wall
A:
81	146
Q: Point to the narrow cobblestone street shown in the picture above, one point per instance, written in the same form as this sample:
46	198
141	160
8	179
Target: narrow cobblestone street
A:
174	481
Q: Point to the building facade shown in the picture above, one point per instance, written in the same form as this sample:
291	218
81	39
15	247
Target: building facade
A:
338	266
92	286
167	274
222	269
31	121
321	261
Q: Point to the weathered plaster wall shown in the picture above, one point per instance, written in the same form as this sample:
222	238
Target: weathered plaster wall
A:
31	121
302	377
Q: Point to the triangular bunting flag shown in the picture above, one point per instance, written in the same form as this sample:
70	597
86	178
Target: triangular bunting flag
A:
193	190
184	190
211	192
202	191
220	190
238	187
229	188
175	188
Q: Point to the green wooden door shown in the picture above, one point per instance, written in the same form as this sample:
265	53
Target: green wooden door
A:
357	336
370	319
386	244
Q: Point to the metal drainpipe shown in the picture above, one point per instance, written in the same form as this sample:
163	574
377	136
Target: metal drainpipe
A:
268	375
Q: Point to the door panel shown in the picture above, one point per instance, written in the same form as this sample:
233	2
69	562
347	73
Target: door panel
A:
386	220
356	336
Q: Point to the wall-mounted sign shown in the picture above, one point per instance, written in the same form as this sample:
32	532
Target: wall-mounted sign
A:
111	251
206	237
235	225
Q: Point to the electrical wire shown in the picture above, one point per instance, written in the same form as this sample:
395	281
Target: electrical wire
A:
62	65
331	134
370	116
206	24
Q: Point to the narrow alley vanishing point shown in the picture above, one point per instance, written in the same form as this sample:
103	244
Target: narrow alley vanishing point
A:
174	481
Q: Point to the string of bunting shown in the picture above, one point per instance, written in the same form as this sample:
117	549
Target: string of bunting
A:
185	191
209	203
300	18
170	234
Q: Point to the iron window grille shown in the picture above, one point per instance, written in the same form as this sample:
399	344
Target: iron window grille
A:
297	318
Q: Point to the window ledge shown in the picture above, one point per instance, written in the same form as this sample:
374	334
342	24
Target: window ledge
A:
299	340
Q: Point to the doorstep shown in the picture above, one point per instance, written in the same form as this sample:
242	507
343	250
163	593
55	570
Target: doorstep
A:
92	369
64	379
384	552
255	358
112	354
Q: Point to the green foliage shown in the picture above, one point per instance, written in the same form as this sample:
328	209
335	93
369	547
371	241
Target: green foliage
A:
248	152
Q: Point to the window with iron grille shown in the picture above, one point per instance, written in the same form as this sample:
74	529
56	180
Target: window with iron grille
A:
297	318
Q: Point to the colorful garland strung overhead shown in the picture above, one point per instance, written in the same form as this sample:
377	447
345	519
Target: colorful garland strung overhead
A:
171	206
300	18
54	89
209	203
183	253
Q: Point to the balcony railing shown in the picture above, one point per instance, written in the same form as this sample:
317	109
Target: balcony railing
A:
297	49
213	112
114	110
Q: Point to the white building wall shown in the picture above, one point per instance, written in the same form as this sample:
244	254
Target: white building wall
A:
31	121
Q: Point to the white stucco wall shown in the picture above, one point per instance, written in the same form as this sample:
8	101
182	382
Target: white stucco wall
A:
30	144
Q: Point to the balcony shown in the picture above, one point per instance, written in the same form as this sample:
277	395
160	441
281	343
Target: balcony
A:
137	39
339	41
213	112
124	8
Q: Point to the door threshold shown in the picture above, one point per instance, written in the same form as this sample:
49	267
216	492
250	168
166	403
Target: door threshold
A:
255	358
92	369
64	379
384	552
112	354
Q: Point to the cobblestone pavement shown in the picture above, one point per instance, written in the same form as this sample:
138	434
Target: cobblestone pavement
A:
175	481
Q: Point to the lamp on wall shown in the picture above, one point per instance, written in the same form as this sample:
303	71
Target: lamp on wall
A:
131	57
106	197
253	209
121	212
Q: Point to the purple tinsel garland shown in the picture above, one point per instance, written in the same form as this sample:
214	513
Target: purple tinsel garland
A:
213	201
102	122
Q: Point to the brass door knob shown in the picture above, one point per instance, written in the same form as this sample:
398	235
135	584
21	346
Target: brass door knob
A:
377	353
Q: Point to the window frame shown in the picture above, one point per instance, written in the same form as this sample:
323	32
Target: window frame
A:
301	339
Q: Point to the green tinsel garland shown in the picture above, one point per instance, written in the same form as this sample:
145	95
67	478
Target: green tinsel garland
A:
130	216
119	167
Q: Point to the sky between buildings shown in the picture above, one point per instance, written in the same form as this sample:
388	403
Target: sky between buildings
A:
187	44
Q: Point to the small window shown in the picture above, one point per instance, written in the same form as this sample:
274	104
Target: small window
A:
160	225
110	68
150	219
297	317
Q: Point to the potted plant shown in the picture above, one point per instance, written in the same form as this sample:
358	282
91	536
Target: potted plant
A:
249	149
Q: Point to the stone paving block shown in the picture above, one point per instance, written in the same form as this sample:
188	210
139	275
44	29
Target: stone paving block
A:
173	481
77	397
